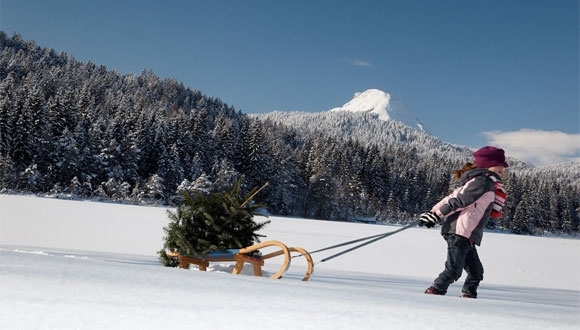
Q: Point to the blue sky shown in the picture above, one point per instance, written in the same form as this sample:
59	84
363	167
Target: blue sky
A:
502	72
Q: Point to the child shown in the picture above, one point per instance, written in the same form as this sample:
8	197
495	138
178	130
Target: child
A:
465	212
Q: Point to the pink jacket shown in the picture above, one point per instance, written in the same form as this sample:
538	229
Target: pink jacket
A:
466	210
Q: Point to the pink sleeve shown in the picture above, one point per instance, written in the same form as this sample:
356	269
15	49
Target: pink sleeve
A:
436	207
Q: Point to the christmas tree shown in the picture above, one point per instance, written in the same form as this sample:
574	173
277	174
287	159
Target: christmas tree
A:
215	222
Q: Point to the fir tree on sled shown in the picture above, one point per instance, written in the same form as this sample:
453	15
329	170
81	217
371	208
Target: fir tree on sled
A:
216	222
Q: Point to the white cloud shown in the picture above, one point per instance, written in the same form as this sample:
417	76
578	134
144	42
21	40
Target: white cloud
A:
537	147
358	62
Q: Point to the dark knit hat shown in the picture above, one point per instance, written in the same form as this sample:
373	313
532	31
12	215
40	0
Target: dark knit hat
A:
487	157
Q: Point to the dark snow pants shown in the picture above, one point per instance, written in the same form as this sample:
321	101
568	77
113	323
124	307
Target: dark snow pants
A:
461	254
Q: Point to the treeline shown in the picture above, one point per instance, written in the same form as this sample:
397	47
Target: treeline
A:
75	129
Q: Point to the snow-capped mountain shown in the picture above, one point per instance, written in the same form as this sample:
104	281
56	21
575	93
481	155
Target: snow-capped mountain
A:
384	105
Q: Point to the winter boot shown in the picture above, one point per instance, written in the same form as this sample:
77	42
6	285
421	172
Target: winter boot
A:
468	295
434	290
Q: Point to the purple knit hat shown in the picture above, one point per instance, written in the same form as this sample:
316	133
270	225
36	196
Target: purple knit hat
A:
487	157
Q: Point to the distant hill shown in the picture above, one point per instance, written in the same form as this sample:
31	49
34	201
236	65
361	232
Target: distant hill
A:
369	129
375	117
384	105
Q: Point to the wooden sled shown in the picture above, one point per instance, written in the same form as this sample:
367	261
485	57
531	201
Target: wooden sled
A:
244	255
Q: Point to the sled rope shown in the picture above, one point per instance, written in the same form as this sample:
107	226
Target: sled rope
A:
368	239
376	238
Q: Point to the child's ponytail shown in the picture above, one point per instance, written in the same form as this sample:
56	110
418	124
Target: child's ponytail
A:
457	173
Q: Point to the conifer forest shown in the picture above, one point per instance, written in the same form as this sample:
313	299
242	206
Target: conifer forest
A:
72	129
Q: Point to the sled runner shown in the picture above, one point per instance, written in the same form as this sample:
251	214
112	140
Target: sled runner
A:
248	255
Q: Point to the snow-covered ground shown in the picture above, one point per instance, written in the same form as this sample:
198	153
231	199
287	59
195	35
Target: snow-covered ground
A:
87	265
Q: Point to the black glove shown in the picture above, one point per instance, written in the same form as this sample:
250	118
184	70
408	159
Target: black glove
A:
429	219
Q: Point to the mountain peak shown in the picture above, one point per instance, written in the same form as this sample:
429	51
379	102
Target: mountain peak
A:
385	106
